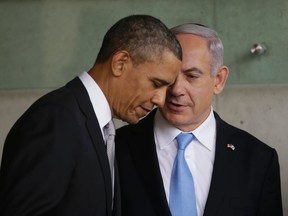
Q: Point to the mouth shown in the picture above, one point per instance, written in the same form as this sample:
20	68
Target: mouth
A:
174	106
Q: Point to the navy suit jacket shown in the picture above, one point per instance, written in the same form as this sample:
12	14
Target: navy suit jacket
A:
54	160
244	182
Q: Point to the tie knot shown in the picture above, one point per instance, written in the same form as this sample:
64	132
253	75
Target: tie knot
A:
183	139
109	129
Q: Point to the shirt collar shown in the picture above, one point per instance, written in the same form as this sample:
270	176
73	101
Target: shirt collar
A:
97	98
165	133
206	132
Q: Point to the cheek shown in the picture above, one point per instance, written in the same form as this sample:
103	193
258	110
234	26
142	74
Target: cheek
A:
135	100
200	93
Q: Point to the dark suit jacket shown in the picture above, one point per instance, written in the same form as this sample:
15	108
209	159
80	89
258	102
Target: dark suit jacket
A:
54	160
244	182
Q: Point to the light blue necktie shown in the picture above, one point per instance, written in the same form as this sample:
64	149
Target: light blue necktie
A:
182	193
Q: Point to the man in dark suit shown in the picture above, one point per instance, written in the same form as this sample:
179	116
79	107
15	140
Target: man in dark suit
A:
54	159
234	173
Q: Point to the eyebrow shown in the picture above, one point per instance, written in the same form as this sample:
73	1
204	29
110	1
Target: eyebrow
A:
193	69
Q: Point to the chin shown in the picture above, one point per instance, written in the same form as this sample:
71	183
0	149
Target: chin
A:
134	120
173	118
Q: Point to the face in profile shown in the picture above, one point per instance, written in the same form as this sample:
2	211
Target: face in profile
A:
144	86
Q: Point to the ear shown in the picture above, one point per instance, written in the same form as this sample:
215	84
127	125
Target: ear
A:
220	79
120	61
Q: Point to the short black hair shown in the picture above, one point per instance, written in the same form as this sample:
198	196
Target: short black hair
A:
144	37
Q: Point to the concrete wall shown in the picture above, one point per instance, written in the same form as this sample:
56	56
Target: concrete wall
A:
261	110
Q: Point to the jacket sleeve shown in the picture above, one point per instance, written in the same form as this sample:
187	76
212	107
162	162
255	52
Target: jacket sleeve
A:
271	200
37	163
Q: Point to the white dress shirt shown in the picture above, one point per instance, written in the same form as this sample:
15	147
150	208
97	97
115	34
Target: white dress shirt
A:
100	106
199	155
98	100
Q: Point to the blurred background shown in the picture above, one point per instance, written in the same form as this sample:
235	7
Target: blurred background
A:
46	43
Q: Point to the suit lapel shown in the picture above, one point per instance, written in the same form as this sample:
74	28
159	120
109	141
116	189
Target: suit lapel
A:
223	166
93	127
145	157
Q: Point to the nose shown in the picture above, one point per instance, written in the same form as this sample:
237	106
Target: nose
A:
177	89
159	98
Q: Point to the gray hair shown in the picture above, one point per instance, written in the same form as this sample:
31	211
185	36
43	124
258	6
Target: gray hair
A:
214	43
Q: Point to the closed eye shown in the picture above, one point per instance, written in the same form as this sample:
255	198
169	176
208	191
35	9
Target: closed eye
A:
193	73
158	83
192	76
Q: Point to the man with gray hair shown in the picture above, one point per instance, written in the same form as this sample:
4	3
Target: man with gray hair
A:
183	159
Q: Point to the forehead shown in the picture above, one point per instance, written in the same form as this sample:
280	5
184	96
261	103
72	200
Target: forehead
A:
165	68
195	51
